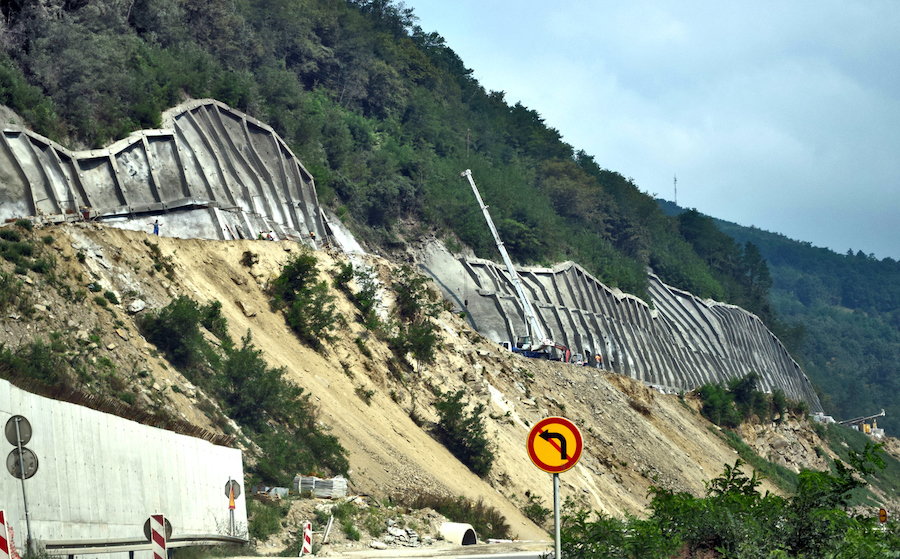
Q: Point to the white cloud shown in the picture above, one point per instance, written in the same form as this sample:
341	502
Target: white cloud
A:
776	114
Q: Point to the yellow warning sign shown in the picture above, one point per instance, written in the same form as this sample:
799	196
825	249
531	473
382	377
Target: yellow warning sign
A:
554	444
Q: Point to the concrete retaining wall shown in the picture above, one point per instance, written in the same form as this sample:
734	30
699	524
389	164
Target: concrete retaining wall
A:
101	476
233	171
682	342
216	173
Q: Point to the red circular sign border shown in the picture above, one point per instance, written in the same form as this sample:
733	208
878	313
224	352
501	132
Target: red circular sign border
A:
536	430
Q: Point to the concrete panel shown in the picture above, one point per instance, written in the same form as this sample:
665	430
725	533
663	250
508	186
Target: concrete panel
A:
99	180
53	197
134	172
167	167
209	156
680	343
101	476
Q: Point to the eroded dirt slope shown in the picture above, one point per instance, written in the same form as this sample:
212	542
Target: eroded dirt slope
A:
635	437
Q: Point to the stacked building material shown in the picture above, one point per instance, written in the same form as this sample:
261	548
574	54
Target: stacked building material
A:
334	488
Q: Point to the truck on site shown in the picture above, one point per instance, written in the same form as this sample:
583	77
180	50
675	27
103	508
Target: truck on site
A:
535	343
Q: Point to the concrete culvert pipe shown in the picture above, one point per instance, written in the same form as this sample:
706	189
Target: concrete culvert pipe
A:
458	533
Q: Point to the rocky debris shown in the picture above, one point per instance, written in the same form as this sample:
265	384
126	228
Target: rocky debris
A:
377	526
247	309
401	536
789	444
625	450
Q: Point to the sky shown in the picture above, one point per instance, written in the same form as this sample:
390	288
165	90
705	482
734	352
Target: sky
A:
780	115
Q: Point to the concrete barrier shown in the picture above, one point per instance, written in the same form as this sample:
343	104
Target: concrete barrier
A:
100	476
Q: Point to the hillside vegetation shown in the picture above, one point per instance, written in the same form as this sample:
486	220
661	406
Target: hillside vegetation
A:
840	317
382	112
386	117
848	307
213	349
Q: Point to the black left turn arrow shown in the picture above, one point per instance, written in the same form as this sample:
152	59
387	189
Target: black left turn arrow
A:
547	435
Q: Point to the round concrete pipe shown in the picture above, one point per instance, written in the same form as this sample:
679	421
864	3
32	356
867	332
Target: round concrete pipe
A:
458	533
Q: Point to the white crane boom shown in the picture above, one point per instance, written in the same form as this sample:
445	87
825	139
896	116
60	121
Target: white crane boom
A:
531	322
856	420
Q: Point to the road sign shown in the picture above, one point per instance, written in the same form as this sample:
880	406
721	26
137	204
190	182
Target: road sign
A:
18	436
554	444
149	535
231	483
882	516
14	464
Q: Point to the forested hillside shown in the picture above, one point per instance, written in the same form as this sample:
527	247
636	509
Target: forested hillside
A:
840	315
848	306
383	113
386	116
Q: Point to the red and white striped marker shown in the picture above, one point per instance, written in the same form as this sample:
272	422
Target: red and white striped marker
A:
158	536
307	539
4	536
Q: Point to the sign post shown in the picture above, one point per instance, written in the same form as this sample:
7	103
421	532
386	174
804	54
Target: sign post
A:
4	537
21	462
306	547
554	445
232	491
158	536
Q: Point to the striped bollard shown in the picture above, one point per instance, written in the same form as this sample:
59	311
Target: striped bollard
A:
158	536
4	536
306	548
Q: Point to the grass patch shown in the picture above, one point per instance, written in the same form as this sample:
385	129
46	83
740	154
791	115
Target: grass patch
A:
161	263
265	518
784	478
365	395
887	480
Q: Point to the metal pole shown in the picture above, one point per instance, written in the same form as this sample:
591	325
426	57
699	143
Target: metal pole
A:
230	510
22	476
556	513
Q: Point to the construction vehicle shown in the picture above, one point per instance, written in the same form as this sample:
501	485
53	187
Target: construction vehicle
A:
535	343
861	420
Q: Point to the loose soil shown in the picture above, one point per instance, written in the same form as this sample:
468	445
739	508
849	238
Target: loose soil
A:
634	436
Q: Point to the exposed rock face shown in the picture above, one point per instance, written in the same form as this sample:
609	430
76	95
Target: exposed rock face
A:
682	342
790	444
212	172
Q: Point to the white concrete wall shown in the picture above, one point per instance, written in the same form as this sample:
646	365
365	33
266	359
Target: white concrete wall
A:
101	476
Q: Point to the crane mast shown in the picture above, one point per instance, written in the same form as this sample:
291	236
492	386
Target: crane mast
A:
535	331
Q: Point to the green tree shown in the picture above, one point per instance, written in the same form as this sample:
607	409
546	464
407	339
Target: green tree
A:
415	331
252	392
307	303
464	433
175	329
718	405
